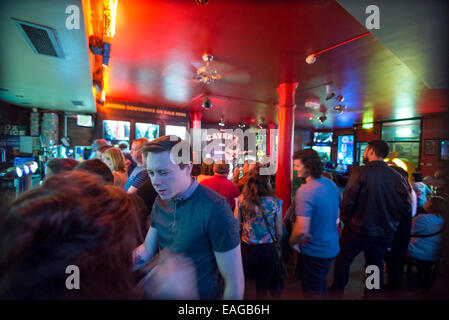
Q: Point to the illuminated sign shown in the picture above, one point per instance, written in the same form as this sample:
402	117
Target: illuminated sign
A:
367	125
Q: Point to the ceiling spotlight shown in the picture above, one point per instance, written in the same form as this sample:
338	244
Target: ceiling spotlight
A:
206	104
311	59
330	95
221	123
340	98
242	124
322	118
340	108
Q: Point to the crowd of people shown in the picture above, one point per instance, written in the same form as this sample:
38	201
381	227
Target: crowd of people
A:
137	225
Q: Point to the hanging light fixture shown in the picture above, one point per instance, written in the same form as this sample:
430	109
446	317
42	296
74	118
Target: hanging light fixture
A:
221	123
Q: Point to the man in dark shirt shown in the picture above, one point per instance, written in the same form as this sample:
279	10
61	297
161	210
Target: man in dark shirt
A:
374	201
220	183
191	220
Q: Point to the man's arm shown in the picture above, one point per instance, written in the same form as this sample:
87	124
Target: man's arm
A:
350	196
230	266
146	251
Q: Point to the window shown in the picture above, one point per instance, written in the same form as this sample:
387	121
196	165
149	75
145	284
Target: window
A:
403	137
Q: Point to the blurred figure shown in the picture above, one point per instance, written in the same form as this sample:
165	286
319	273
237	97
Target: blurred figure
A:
220	183
171	276
315	230
98	147
427	230
115	160
139	175
421	189
191	220
55	166
259	214
130	164
247	167
98	167
73	219
207	170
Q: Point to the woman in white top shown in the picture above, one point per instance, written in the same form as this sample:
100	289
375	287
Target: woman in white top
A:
115	160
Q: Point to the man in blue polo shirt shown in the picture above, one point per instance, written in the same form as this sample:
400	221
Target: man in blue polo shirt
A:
315	230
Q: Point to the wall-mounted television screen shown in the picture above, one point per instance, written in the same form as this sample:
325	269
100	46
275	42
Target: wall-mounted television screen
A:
345	152
444	150
147	130
179	131
116	130
84	121
324	152
322	138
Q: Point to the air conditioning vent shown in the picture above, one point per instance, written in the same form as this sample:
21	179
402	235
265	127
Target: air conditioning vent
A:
41	39
77	103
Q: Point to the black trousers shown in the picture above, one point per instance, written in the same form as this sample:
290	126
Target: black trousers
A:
351	244
259	263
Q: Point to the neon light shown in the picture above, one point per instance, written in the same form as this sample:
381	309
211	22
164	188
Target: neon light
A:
367	125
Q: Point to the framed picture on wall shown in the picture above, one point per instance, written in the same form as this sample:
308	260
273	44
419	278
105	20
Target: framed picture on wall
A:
431	147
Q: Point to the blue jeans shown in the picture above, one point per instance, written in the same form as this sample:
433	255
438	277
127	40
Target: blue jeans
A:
351	244
312	272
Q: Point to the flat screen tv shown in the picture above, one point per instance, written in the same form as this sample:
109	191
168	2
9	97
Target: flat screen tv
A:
322	138
345	152
444	150
147	130
116	130
84	121
179	131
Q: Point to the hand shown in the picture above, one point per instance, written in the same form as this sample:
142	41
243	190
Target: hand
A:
304	239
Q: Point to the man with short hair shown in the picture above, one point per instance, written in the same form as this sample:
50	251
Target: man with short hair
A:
315	230
192	220
220	183
375	200
139	175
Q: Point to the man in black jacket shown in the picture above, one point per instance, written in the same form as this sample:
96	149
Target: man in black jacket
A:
374	201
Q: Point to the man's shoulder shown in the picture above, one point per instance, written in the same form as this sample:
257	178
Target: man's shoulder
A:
206	194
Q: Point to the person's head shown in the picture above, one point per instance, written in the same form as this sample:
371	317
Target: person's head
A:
417	177
123	146
114	159
72	219
136	150
221	168
307	163
98	167
169	179
376	150
207	167
55	166
99	146
437	205
257	186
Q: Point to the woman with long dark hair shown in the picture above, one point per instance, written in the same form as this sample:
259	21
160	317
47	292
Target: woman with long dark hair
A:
259	214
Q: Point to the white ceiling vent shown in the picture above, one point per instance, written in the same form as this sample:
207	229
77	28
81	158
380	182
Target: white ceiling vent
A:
40	38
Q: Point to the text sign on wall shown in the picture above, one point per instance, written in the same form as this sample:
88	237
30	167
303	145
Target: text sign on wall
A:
126	107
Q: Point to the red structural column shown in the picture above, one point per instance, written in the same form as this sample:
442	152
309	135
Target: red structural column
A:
195	120
286	126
